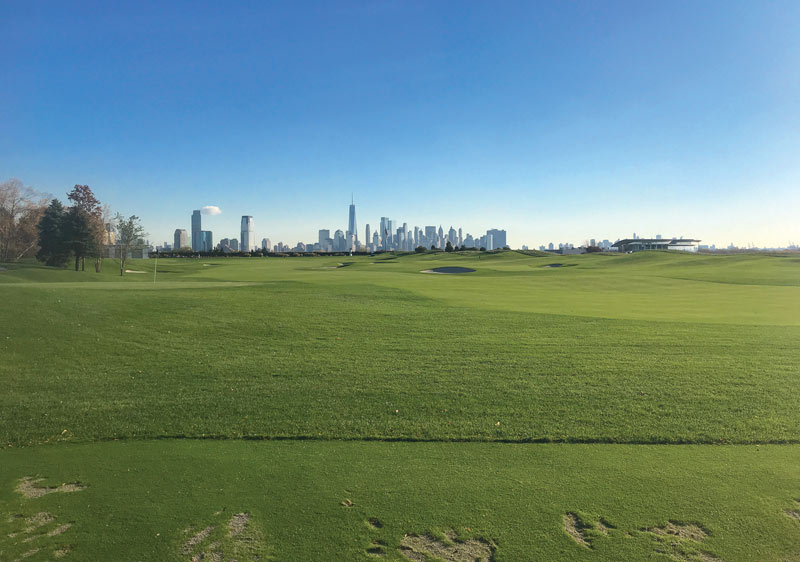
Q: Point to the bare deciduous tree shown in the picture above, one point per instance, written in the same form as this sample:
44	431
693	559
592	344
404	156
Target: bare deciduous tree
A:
21	208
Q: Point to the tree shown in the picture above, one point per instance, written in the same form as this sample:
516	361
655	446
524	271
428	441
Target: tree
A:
433	246
129	235
80	235
84	219
21	208
420	249
53	246
448	247
103	230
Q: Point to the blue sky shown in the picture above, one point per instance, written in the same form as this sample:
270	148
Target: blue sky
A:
559	121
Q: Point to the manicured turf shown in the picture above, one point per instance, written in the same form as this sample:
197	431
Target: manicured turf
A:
378	350
353	360
141	497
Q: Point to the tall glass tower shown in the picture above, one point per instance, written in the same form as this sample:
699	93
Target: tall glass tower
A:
351	224
197	228
248	238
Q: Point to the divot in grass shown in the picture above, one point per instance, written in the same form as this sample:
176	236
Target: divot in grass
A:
583	531
793	513
28	488
237	540
682	542
427	548
378	549
34	534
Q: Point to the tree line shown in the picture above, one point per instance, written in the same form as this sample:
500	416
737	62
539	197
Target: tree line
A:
55	233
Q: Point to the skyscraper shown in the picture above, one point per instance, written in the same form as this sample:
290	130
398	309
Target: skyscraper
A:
206	241
385	235
366	235
351	224
247	238
181	239
498	238
197	228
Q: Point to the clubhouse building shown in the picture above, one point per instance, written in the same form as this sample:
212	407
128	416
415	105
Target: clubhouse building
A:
639	244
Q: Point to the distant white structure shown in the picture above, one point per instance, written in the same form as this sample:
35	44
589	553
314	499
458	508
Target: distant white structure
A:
248	238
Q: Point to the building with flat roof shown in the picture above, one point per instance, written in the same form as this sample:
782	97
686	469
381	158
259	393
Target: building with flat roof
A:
248	238
181	239
640	244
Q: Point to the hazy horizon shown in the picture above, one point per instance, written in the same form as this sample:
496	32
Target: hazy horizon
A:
557	123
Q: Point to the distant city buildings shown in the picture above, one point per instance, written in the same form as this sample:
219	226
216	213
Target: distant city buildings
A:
390	236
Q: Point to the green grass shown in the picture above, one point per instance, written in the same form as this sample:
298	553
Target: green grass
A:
140	497
630	351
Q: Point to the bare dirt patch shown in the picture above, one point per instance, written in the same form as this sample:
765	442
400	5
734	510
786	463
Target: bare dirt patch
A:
425	548
59	530
28	488
34	531
682	542
238	523
196	539
689	531
235	540
576	528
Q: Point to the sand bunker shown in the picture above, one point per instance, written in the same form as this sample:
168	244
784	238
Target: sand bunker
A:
449	270
132	271
27	487
426	548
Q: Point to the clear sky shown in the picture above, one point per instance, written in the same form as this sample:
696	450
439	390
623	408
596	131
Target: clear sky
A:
558	121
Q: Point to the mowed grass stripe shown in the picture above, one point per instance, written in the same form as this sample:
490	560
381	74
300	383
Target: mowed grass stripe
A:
341	359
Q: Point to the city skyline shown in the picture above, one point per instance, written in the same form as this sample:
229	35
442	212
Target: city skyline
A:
391	235
207	238
557	123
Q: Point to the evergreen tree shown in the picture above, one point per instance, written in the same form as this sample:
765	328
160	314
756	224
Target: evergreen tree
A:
53	246
83	222
448	247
